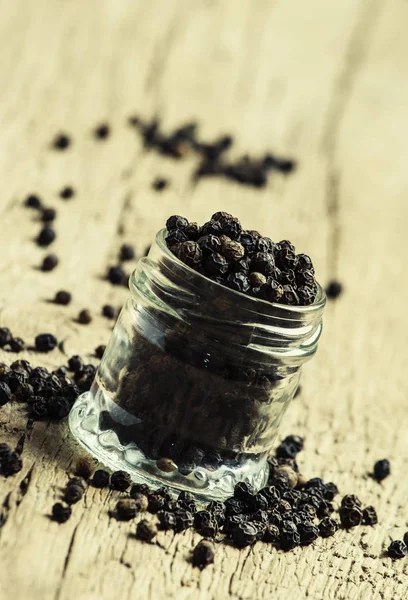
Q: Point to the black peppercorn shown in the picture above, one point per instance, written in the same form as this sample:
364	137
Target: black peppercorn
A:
350	501
192	231
17	345
126	509
382	469
176	222
167	520
84	467
397	549
160	183
116	275
78	481
45	342
189	253
406	538
67	192
271	534
215	264
244	534
184	519
127	252
290	447
233	250
84	317
203	554
5	336
209	243
100	350
370	516
238	282
62	297
140	488
272	291
350	517
101	479
257	280
48	215
73	493
61	141
46	236
308	532
5	393
330	491
33	201
102	131
49	262
61	513
75	363
333	290
328	527
108	311
289	537
10	461
146	531
120	480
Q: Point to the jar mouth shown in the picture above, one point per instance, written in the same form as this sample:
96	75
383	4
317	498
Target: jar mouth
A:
317	305
225	318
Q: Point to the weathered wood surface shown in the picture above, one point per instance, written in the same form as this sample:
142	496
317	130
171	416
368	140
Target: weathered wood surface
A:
321	81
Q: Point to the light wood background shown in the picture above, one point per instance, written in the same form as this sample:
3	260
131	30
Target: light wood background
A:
324	82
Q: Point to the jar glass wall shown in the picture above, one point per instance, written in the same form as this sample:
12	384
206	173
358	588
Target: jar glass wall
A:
195	380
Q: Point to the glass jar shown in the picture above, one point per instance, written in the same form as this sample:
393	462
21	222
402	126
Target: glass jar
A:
195	380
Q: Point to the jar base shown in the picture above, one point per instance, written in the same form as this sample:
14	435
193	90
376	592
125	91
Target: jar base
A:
218	484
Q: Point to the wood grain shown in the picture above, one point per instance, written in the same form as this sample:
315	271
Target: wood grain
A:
323	82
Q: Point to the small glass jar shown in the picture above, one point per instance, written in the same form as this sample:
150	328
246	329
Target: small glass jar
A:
195	380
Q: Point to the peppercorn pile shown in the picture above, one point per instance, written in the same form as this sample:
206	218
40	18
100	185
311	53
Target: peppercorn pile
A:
290	511
243	260
46	394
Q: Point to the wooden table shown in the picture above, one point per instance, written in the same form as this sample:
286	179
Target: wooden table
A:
324	82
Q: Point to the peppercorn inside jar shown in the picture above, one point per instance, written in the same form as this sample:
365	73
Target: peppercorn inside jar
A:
197	375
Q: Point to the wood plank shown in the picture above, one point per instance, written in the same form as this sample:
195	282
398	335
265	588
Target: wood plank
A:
319	81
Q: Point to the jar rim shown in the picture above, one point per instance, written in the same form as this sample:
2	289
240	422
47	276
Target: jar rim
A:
317	305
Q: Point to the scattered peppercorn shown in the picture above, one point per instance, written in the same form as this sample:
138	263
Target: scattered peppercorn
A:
146	531
100	350
333	290
370	516
62	297
160	183
48	215
127	252
10	461
33	201
84	467
49	262
126	509
5	393
61	513
328	527
203	554
108	311
102	131
120	480
61	142
45	342
397	549
350	517
116	275
100	479
75	363
67	192
73	493
84	317
382	469
46	236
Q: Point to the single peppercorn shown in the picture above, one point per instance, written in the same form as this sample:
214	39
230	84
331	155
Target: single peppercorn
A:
167	520
116	275
84	467
5	336
203	554
17	345
232	250
45	342
73	494
108	311
49	262
46	236
397	549
102	131
62	297
100	479
10	461
382	469
48	215
67	192
84	317
61	513
127	252
100	351
215	264
350	501
328	527
189	253
176	222
160	183
75	363
289	537
333	290
146	531
406	538
370	516
257	280
350	517
126	509
244	534
78	481
308	532
140	488
271	534
33	201
166	465
61	142
120	480
290	447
